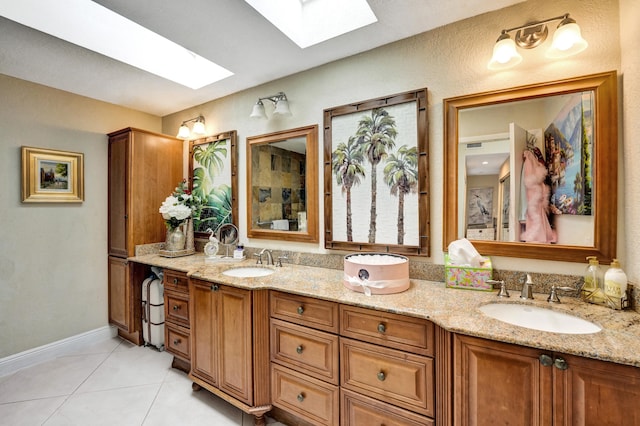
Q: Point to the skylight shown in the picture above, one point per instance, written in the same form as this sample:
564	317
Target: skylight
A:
94	27
309	22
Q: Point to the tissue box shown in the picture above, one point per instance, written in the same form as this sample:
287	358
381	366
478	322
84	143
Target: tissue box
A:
456	276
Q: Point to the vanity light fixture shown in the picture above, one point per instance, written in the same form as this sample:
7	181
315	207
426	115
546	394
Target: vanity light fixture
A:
567	41
197	129
279	101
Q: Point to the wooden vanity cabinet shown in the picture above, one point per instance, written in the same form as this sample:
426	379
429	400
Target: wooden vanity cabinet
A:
387	368
337	364
144	168
176	318
230	344
503	384
305	358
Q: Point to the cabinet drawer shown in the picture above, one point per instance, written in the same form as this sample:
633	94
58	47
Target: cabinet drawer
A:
358	410
176	307
394	376
176	281
177	341
310	399
306	350
384	328
307	311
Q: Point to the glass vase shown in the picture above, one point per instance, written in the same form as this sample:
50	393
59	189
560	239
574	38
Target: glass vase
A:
175	239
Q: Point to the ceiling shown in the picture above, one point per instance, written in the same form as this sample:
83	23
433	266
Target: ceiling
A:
228	32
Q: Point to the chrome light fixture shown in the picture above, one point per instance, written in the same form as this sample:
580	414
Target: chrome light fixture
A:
280	102
567	41
197	129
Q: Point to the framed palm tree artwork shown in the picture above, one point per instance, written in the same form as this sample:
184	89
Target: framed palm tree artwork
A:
213	180
376	175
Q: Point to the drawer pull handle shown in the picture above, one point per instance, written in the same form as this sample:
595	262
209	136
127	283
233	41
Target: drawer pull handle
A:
300	310
175	281
176	307
300	397
215	287
382	328
299	349
546	360
381	376
561	364
176	342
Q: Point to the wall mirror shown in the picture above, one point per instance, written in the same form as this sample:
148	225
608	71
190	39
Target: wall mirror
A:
282	182
531	172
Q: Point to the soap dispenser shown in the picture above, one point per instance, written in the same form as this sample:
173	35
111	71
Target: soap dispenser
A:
211	248
615	284
593	281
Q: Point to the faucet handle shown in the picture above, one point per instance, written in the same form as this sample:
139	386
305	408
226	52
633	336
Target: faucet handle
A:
553	295
503	292
280	259
259	256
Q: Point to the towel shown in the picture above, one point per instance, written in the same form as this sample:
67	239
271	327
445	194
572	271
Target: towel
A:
281	224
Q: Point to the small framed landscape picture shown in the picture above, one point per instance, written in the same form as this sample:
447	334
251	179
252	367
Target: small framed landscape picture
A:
51	176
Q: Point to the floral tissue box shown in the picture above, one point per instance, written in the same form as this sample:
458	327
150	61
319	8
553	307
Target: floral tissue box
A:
466	277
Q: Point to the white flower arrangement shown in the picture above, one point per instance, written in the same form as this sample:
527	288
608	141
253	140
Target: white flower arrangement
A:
180	206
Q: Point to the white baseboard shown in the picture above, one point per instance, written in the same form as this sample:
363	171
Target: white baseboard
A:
13	363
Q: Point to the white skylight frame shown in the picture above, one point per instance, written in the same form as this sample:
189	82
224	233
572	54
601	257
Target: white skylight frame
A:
309	22
94	27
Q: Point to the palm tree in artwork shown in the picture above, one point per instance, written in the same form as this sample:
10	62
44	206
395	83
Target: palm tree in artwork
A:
401	175
211	157
376	135
346	164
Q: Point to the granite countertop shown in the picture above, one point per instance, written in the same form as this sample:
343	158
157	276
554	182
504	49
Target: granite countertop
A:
452	309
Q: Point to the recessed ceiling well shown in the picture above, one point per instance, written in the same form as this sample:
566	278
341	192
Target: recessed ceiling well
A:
230	33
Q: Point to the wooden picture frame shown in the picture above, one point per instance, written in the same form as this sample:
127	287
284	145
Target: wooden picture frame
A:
403	219
221	176
52	176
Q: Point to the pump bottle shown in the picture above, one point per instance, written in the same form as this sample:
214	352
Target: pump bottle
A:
592	281
615	284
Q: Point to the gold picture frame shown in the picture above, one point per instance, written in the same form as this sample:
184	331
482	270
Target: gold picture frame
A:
51	176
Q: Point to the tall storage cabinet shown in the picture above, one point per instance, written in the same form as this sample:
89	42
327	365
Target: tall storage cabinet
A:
144	168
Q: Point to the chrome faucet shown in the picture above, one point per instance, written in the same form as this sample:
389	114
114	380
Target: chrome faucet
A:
269	256
527	289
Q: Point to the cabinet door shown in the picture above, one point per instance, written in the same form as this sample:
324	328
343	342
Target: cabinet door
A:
118	157
500	384
120	309
204	333
234	342
595	392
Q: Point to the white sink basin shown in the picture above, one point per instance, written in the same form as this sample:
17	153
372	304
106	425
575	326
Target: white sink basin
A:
248	272
539	318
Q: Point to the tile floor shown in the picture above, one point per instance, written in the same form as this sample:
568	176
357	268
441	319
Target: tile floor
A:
111	383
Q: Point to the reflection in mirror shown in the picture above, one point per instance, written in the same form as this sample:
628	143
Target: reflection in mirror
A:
282	181
551	194
532	170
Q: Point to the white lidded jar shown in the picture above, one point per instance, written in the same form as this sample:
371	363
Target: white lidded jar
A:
615	283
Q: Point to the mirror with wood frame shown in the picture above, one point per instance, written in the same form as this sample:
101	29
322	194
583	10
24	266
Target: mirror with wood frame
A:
549	193
282	181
